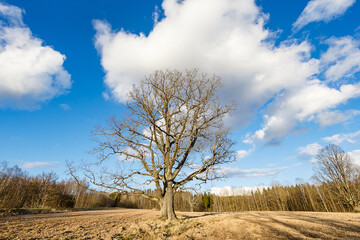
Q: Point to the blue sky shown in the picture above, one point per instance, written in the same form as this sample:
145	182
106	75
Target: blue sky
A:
291	66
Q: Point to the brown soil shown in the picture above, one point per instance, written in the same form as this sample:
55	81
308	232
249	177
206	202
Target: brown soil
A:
143	224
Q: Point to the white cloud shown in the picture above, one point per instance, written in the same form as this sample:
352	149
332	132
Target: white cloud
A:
343	137
30	73
241	191
249	173
30	165
303	104
342	59
355	155
244	153
310	149
229	39
327	118
322	10
315	99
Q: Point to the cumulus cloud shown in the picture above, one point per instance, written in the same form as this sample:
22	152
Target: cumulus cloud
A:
316	99
322	10
241	191
312	100
310	149
230	40
30	73
343	137
30	165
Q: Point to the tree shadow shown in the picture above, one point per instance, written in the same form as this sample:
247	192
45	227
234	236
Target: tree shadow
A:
203	215
346	226
272	231
316	227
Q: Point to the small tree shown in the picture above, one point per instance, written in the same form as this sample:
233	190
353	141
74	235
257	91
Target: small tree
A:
336	168
172	134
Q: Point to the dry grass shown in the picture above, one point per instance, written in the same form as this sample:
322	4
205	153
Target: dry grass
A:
143	224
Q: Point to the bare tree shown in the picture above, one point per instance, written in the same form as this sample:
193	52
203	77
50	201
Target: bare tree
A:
336	168
172	134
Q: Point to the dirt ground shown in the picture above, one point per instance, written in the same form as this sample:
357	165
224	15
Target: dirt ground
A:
143	224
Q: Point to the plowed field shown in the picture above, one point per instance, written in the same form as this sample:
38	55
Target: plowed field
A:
143	224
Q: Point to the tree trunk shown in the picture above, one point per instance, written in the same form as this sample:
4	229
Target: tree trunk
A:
167	204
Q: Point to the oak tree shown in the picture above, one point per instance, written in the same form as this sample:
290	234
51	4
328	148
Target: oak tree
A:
172	133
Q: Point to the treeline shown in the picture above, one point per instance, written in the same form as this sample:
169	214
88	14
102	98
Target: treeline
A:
19	190
301	197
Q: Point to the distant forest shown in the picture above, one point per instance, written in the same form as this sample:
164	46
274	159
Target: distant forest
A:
19	190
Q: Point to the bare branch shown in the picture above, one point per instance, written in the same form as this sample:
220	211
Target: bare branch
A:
172	117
